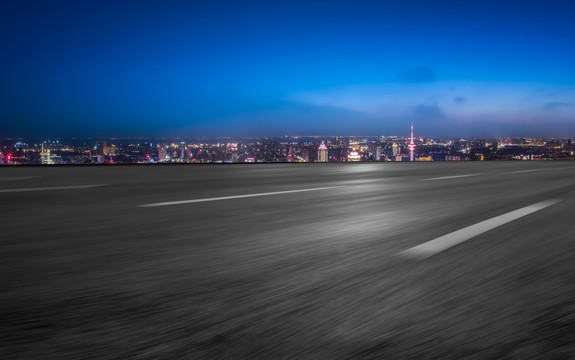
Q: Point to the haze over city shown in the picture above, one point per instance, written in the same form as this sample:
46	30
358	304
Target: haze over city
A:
266	68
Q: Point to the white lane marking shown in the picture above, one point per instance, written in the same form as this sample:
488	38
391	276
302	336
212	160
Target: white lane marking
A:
15	178
450	177
445	242
49	188
167	203
548	169
523	171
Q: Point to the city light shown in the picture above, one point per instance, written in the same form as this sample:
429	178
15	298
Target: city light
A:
284	149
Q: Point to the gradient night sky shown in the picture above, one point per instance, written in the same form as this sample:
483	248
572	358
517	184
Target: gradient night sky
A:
456	68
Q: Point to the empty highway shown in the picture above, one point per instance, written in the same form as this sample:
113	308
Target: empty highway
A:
443	260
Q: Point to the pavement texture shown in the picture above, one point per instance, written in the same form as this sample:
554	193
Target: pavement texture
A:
96	273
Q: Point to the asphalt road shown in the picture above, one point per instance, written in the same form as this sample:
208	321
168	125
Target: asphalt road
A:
286	261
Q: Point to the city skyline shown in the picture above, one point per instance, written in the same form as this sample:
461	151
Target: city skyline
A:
459	70
283	149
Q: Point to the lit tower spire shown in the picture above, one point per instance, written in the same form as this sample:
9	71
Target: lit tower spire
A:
411	145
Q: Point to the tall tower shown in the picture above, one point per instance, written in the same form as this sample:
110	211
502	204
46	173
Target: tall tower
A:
322	153
411	146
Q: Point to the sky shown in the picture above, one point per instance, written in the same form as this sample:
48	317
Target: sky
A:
264	68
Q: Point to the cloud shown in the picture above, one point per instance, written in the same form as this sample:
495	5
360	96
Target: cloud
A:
428	112
439	103
556	105
418	74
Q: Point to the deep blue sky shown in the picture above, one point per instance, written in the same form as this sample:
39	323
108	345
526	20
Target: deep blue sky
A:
456	68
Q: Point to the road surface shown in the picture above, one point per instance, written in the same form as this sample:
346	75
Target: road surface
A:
445	260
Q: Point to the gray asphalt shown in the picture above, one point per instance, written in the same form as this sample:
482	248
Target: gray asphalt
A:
91	273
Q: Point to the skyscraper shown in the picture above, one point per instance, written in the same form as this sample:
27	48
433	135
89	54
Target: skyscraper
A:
183	152
45	156
305	154
162	152
107	148
322	153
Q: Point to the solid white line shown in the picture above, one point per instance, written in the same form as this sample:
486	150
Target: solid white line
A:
167	203
445	242
450	177
73	187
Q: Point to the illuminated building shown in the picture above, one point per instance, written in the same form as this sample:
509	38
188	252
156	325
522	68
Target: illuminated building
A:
305	155
353	155
290	157
322	153
183	153
395	150
5	159
105	148
45	156
162	153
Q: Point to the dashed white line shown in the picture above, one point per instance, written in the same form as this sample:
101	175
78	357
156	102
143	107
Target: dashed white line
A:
51	188
450	177
547	169
524	171
445	242
563	168
167	203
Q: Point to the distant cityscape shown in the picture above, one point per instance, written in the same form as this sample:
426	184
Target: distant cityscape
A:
20	151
